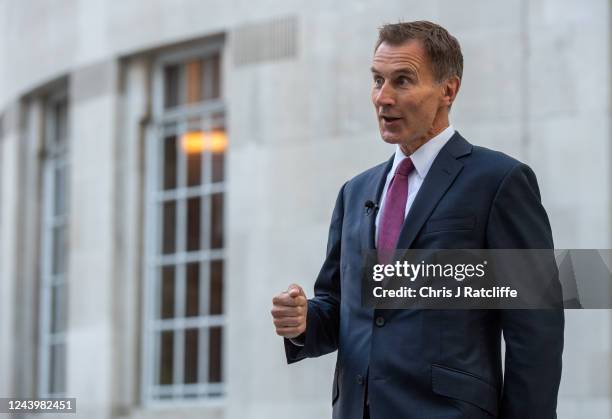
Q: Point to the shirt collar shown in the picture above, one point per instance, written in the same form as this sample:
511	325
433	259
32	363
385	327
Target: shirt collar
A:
424	156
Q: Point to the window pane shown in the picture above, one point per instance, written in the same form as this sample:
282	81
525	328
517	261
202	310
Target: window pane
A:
167	292
168	227
212	73
193	224
60	116
58	309
194	168
216	93
171	86
214	355
57	368
58	240
193	290
59	191
216	287
191	356
193	144
218	168
166	355
193	71
219	146
170	162
216	221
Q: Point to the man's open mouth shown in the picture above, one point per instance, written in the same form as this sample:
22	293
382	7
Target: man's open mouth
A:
388	119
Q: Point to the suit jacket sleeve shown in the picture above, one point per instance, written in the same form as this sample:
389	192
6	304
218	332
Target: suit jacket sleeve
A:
534	338
323	318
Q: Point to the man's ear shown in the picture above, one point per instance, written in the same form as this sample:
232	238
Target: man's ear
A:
450	89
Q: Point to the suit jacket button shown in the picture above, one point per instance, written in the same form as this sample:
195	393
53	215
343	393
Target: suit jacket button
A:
360	379
380	321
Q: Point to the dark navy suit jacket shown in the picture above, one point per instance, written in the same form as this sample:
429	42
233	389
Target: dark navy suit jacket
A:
427	364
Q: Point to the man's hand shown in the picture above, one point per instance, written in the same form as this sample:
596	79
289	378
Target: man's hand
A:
289	309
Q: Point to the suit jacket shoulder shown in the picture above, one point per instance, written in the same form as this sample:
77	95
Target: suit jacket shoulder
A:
492	161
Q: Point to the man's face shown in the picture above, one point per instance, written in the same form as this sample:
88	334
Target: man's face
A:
409	103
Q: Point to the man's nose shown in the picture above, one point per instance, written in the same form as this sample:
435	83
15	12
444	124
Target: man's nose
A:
385	96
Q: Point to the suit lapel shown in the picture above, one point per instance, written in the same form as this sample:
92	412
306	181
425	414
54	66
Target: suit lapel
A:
373	193
441	175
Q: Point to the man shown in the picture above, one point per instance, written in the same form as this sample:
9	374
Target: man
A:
437	192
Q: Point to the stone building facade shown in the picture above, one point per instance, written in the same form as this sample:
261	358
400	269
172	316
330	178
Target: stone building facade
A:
168	166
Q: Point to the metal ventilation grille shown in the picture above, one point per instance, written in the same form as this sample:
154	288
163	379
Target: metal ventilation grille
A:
270	41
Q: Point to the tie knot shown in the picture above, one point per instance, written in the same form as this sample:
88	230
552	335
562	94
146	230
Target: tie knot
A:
405	167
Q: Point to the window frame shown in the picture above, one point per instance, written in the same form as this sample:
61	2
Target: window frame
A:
151	391
51	160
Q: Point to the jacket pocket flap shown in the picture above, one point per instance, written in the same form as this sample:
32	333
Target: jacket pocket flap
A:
463	386
446	224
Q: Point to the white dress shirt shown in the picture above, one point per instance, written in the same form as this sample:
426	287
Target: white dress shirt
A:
422	159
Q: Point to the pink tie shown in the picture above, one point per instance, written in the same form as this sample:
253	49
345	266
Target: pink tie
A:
392	218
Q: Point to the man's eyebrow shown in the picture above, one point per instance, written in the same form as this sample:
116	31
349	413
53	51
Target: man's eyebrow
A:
398	71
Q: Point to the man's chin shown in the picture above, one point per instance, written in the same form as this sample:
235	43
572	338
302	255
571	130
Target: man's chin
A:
391	138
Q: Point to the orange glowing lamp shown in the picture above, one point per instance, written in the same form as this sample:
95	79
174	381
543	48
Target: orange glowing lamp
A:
193	142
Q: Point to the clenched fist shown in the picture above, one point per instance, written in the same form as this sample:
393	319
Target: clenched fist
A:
289	309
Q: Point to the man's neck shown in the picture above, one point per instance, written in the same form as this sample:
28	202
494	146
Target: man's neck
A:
411	147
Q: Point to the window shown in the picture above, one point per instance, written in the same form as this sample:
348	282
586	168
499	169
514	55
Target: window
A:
184	317
54	251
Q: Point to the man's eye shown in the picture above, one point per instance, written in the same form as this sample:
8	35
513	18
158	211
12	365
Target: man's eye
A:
402	81
378	81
